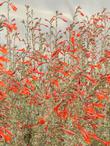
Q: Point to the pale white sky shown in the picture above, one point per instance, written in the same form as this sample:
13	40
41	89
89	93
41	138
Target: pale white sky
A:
47	8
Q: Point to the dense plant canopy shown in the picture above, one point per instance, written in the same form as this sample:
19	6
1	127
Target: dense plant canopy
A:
54	84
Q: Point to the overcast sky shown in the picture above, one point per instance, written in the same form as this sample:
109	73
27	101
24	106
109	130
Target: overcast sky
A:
46	8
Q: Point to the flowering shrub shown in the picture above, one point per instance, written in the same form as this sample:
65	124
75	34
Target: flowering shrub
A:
55	84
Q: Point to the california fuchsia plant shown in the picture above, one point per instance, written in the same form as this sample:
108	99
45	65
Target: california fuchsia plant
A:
54	84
